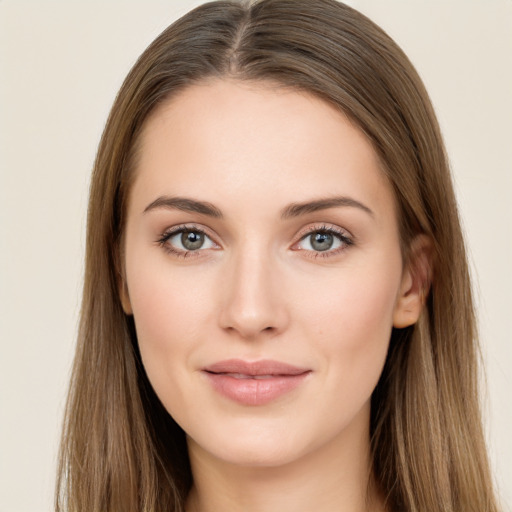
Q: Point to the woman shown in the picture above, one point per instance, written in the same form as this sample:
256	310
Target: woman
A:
277	311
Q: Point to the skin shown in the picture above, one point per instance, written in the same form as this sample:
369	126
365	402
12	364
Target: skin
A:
257	289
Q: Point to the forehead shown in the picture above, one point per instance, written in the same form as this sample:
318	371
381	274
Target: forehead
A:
232	141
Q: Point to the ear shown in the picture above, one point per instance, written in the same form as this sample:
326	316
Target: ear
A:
415	284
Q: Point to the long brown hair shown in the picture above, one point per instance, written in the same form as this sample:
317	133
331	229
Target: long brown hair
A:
121	451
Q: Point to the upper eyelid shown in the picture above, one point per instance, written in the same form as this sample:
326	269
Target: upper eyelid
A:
173	230
332	228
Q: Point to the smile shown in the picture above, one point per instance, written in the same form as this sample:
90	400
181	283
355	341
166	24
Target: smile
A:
254	383
244	376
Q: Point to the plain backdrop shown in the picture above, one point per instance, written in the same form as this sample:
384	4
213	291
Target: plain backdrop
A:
61	64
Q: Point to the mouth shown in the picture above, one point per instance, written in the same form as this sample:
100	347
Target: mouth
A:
244	376
254	383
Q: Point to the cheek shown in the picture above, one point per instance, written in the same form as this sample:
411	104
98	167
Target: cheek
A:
350	320
353	302
169	310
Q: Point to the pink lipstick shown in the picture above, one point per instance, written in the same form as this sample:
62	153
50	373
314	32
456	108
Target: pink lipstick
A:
254	383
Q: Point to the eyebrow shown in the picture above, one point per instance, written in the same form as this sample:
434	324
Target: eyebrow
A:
184	204
293	210
297	209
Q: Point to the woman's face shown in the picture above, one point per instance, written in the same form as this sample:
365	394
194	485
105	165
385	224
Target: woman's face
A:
263	270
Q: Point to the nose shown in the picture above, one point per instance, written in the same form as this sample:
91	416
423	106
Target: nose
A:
254	302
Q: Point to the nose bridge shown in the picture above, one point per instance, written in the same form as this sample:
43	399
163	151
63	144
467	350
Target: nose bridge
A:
253	303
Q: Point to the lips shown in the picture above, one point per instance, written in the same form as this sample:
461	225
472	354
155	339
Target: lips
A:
254	383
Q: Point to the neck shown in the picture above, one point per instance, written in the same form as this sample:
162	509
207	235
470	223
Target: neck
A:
336	476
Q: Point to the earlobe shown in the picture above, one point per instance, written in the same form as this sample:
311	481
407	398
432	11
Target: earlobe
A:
415	285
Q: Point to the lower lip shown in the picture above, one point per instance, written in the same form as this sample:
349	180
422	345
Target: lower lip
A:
255	391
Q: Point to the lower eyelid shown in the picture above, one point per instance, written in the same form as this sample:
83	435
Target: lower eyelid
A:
343	244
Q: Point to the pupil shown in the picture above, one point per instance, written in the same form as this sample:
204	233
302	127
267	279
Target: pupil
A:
322	241
192	240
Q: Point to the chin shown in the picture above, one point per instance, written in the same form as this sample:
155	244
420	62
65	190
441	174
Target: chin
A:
256	456
252	446
272	441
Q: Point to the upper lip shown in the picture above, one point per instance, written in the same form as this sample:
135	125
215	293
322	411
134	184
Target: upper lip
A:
263	367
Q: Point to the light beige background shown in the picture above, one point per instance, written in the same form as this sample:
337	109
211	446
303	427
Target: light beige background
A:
61	63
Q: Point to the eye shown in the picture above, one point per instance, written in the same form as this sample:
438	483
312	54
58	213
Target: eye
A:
184	240
324	240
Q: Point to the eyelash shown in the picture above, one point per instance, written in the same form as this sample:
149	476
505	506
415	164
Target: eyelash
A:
169	233
346	241
341	235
